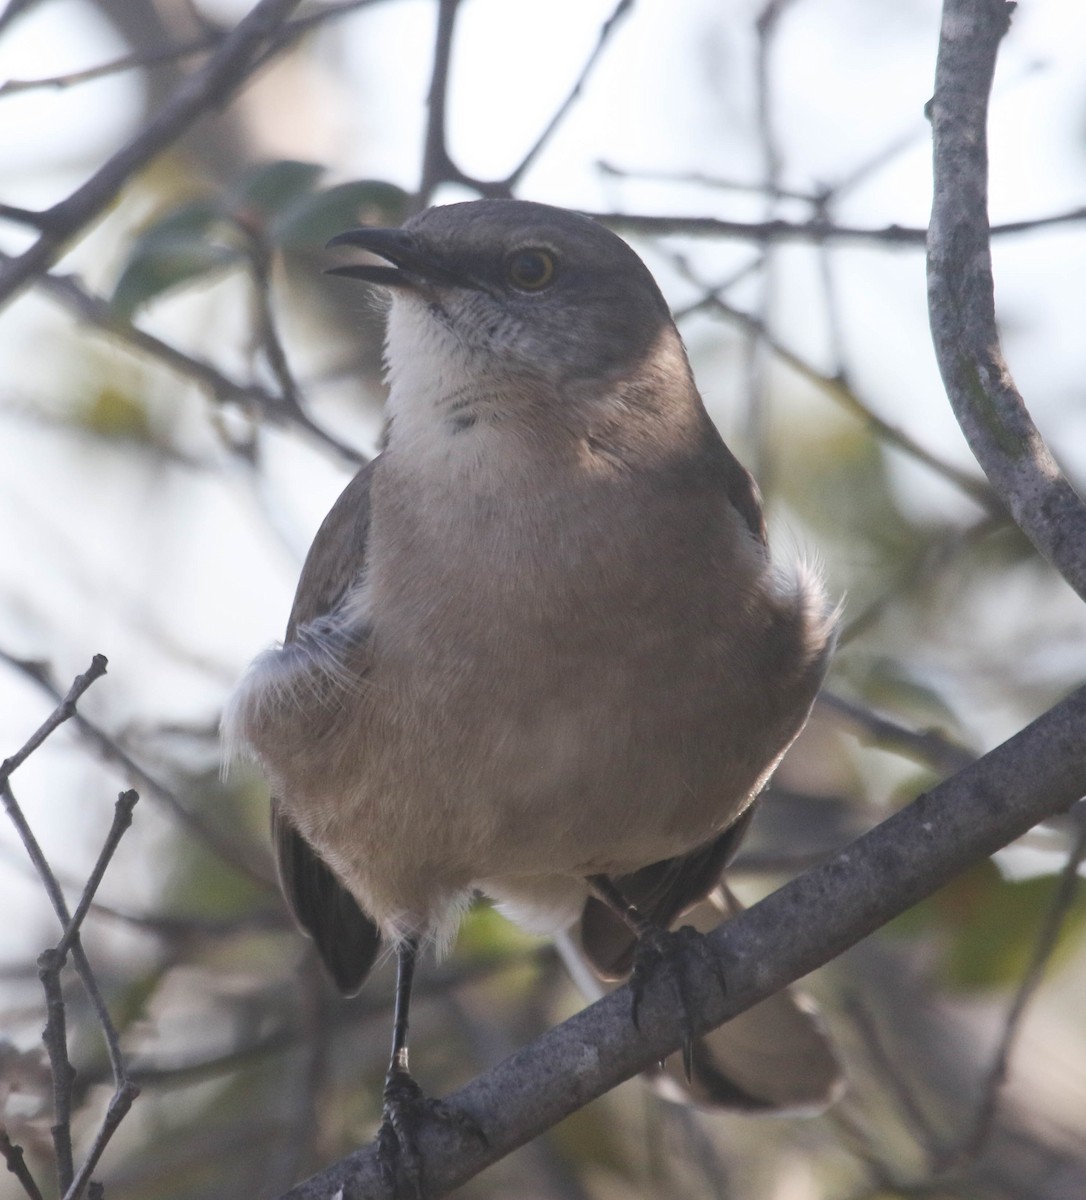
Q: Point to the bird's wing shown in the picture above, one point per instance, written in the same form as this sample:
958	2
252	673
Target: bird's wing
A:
773	1057
661	892
348	941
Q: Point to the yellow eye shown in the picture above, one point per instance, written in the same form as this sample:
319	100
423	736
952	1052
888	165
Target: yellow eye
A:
530	270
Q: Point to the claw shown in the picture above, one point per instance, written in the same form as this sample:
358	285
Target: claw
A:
406	1109
660	949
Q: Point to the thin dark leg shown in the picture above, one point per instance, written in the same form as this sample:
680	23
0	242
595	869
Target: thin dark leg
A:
406	956
405	1106
402	1096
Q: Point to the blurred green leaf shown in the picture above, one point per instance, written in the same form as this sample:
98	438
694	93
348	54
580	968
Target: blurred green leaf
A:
270	188
989	925
177	248
311	220
276	200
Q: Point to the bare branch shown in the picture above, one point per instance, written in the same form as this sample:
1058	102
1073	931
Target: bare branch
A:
982	393
119	1104
259	257
173	54
926	746
64	711
16	1164
839	391
227	69
437	166
815	230
230	850
122	819
1037	773
97	312
606	30
55	1037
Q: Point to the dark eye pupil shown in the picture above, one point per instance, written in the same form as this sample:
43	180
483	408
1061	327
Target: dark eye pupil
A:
530	268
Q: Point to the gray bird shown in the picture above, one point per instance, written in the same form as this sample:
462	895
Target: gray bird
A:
538	649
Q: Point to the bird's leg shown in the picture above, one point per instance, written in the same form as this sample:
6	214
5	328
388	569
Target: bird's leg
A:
405	1106
659	949
396	1139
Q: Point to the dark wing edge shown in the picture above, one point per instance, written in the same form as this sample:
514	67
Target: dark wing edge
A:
328	571
776	1056
347	940
661	892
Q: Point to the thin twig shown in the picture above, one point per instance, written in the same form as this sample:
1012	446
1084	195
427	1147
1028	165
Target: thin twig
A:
927	746
154	57
16	1164
60	907
50	962
437	166
236	854
119	1104
64	711
98	312
606	30
814	230
259	257
701	179
125	62
757	352
122	819
55	1037
889	1070
974	488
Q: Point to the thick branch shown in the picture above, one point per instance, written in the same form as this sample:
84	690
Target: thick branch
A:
961	299
1039	772
226	70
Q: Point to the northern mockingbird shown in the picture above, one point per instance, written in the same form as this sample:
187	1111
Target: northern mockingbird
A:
538	648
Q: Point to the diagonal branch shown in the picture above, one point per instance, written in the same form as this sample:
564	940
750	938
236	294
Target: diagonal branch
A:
1037	773
989	408
99	313
225	71
533	152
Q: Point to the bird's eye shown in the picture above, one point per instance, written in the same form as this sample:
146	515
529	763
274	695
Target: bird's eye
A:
530	270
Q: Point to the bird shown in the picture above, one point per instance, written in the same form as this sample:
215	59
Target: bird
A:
539	649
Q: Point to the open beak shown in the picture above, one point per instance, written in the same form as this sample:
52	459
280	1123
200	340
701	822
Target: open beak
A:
412	266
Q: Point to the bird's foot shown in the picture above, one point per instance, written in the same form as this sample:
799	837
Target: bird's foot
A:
406	1109
674	953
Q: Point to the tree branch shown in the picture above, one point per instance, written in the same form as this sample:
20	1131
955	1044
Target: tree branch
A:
437	166
100	314
961	299
1039	772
